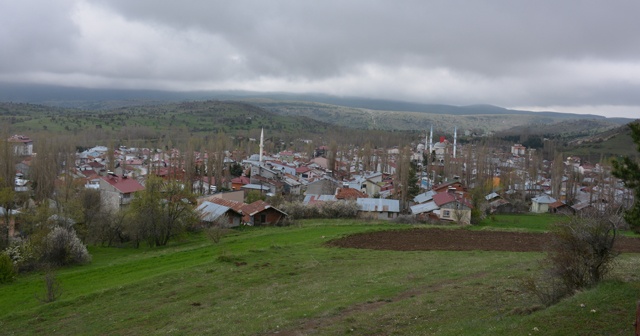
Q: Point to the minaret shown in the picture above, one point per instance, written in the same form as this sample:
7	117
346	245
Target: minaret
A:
455	138
261	144
426	141
431	140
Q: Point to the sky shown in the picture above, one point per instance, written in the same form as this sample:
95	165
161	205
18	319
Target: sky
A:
567	56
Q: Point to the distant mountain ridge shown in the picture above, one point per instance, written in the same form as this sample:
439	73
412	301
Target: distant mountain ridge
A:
95	99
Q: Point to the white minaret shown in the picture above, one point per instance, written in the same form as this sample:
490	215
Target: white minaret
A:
431	140
455	138
261	144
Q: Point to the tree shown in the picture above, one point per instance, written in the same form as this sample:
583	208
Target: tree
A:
7	202
236	169
7	193
160	212
628	170
254	195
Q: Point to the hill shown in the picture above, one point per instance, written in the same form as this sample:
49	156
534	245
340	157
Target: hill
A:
477	119
351	112
289	281
608	143
178	120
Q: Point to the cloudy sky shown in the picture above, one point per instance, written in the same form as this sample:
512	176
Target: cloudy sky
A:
569	56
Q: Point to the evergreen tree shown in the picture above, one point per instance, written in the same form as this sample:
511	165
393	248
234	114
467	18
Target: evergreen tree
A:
628	170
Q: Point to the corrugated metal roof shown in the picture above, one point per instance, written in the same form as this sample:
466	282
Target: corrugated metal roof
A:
424	207
424	197
544	199
211	211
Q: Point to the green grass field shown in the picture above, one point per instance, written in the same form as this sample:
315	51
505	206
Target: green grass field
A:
263	281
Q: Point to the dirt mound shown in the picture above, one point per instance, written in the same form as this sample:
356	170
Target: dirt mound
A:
460	240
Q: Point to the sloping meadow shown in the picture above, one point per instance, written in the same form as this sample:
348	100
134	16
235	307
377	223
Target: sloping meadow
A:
289	281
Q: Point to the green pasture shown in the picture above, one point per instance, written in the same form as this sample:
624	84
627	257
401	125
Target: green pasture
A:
527	222
286	280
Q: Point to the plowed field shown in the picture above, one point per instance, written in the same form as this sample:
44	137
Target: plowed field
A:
461	240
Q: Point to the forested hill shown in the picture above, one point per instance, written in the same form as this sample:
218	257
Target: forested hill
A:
192	117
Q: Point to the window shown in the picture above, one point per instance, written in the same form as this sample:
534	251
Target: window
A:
446	213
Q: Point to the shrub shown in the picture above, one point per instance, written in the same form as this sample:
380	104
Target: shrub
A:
52	288
215	233
334	209
580	256
7	269
406	219
63	247
23	255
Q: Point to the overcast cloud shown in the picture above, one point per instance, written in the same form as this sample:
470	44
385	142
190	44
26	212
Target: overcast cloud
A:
569	56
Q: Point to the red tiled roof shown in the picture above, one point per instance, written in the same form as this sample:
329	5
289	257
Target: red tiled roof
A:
350	193
124	185
256	207
446	197
20	138
236	206
241	180
556	204
302	170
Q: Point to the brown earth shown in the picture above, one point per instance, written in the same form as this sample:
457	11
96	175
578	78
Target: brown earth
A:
461	240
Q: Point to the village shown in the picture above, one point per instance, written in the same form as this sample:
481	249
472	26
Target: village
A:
445	181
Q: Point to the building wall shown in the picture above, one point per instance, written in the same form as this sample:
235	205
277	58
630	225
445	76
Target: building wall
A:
380	215
271	217
539	208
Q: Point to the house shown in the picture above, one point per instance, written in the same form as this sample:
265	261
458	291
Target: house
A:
291	185
454	206
446	186
238	182
303	172
321	161
372	188
423	210
256	213
518	149
22	145
118	191
378	208
561	208
323	186
541	203
213	213
262	213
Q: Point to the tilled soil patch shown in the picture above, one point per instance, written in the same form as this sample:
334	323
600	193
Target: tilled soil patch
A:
460	240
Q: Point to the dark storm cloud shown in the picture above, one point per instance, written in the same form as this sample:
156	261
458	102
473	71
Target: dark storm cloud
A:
510	53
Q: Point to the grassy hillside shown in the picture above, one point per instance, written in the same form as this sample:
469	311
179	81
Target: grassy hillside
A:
606	144
286	281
